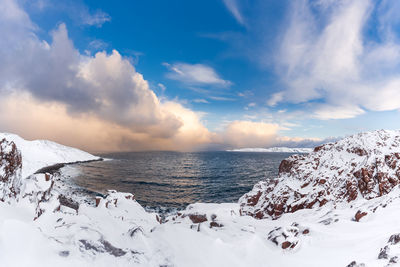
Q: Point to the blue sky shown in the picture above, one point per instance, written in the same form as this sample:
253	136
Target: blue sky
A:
275	72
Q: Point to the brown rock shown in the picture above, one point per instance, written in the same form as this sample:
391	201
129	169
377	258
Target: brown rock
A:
98	199
286	244
253	200
305	185
259	215
285	166
323	202
318	148
359	215
215	224
198	218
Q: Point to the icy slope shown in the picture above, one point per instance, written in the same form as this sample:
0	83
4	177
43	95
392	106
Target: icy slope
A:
274	150
362	166
41	153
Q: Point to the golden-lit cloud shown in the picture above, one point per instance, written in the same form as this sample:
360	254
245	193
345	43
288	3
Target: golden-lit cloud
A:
245	134
250	134
39	120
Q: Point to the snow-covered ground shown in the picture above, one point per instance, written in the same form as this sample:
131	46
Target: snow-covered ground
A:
274	150
42	227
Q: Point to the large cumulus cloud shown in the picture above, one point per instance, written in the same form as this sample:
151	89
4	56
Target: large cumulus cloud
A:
104	87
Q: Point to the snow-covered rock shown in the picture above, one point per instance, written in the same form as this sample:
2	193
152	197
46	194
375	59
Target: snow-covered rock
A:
301	150
362	166
10	170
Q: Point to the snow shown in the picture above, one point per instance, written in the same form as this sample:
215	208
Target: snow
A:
42	153
37	230
274	150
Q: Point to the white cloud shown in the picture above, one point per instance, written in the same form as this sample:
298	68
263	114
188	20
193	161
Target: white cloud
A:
325	112
195	74
200	100
327	54
242	134
221	98
97	18
233	7
162	86
250	134
97	45
275	99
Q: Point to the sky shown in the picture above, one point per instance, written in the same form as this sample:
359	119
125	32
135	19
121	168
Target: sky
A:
198	75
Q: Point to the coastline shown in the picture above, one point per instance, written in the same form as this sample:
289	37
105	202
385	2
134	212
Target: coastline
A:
56	167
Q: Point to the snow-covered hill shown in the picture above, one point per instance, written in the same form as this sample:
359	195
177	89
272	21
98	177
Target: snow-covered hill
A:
274	150
362	166
41	153
337	206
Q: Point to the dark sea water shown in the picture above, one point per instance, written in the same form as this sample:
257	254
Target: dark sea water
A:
171	180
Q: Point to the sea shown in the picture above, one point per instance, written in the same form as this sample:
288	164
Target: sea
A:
169	181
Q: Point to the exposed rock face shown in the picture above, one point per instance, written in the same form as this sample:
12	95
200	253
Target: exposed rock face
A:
365	166
10	170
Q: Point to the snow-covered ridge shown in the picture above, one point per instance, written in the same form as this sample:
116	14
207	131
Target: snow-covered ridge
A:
274	150
362	166
42	153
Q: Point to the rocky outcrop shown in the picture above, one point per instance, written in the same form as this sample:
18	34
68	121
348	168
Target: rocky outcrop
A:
363	166
10	170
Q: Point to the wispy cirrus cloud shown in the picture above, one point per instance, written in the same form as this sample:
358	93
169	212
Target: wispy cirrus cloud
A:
96	18
200	100
76	10
329	54
195	74
233	7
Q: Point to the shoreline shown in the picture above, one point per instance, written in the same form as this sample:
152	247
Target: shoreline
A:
56	167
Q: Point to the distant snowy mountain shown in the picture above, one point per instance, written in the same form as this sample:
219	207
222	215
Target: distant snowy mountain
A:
274	149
